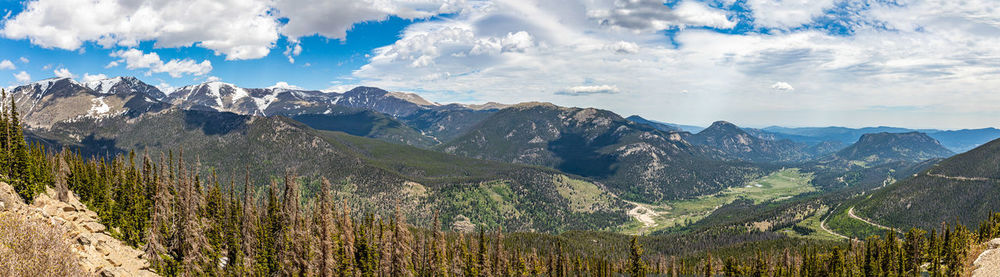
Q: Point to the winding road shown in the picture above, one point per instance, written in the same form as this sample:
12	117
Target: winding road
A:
822	224
850	212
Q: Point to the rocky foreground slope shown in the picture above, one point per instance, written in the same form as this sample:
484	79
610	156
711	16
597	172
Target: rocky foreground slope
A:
95	252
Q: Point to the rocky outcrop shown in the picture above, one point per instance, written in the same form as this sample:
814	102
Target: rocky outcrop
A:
98	253
988	263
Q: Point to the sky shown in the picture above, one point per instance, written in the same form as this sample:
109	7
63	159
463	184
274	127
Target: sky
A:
907	63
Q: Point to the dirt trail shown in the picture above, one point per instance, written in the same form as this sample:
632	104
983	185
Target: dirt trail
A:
960	178
822	224
850	212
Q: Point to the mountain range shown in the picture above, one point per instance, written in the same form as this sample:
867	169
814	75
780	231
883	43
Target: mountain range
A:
491	163
963	188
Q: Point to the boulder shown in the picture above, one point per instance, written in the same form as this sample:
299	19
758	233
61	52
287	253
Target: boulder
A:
94	227
994	243
83	240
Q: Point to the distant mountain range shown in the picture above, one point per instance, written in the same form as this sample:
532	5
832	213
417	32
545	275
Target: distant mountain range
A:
955	140
492	163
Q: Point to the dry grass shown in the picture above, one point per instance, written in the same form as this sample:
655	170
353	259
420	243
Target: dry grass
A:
33	248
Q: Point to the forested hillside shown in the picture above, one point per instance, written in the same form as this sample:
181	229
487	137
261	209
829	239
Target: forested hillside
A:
964	188
374	175
636	161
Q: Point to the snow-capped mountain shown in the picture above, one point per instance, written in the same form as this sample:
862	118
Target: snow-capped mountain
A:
128	85
219	96
49	101
397	104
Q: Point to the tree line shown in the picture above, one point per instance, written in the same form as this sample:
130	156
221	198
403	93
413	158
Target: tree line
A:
190	224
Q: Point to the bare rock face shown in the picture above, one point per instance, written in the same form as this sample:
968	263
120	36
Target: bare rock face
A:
98	253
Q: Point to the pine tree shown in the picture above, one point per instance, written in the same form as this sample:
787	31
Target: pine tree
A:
914	251
934	254
401	262
4	137
19	160
248	230
161	225
501	266
709	272
328	264
482	258
439	259
347	250
636	267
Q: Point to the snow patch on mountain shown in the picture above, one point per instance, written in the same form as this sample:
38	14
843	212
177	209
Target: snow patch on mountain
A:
99	107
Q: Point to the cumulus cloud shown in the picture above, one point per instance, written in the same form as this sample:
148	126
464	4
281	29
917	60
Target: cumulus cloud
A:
22	77
165	87
136	59
63	73
284	85
237	29
782	86
24	60
87	78
623	47
212	79
894	56
332	19
7	65
785	13
587	90
653	15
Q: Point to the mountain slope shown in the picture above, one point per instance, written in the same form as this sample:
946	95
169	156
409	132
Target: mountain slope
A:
734	143
636	161
654	124
373	175
889	147
44	103
965	187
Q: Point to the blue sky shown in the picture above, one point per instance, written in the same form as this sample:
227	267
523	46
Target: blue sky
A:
921	64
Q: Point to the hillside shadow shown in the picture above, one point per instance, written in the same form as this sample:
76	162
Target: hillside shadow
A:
580	157
214	123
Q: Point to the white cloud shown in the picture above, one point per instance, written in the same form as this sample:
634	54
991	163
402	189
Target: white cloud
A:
87	78
623	47
22	77
909	62
653	15
24	60
787	13
178	68
212	79
111	64
517	42
587	90
237	29
284	85
136	59
333	18
165	87
782	86
293	50
63	73
7	65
